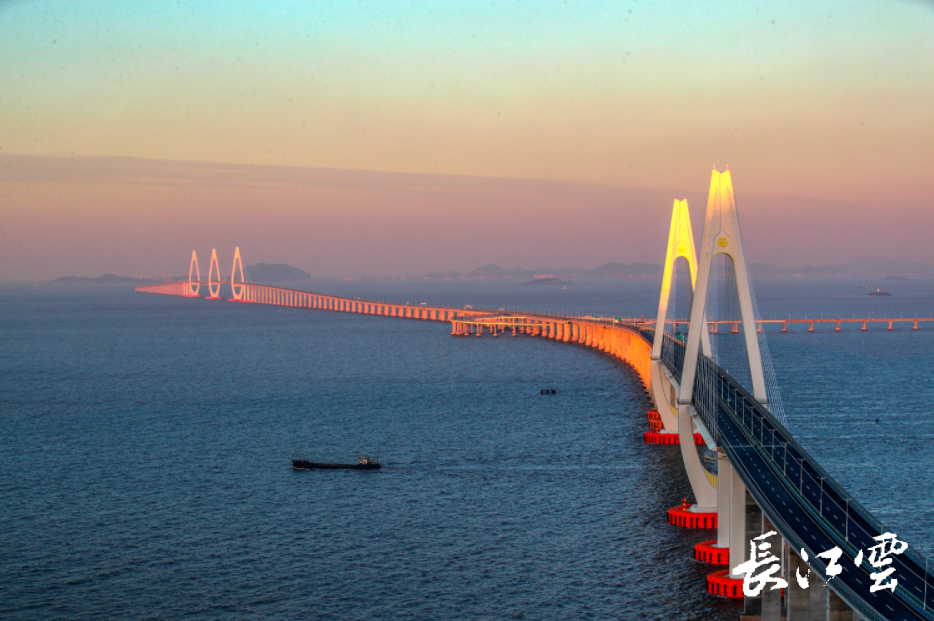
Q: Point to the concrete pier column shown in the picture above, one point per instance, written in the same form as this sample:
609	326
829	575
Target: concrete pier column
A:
890	325
784	326
567	331
772	599
739	549
838	326
797	600
724	476
810	326
753	515
864	326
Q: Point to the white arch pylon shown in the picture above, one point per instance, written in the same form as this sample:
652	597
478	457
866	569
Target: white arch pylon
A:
215	291
722	236
194	286
680	245
665	387
237	289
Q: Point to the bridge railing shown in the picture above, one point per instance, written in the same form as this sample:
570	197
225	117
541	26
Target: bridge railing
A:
850	524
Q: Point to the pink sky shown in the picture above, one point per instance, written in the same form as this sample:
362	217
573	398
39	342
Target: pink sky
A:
551	134
86	216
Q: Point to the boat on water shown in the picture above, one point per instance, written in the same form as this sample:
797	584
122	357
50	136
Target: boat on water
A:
363	463
879	292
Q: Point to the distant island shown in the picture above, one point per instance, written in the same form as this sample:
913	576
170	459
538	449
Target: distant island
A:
275	272
544	281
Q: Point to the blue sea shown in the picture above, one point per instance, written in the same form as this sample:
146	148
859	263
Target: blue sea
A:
145	444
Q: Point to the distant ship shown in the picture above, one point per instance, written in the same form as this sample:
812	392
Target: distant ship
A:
363	463
880	292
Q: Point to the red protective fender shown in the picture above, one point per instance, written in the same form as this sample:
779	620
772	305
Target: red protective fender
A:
708	552
681	516
657	437
719	583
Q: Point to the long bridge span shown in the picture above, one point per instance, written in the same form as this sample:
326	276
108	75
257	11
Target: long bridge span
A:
763	493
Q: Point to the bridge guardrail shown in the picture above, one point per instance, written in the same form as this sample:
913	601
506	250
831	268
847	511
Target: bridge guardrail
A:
725	396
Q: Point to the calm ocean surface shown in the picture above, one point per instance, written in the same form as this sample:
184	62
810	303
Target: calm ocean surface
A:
145	444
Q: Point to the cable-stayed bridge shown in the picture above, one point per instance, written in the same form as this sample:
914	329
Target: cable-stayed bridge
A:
715	396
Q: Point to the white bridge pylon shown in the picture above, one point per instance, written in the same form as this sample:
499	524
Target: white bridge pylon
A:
665	387
214	288
680	245
194	286
237	289
721	236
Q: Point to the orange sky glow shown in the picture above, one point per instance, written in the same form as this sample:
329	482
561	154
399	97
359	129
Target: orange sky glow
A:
400	139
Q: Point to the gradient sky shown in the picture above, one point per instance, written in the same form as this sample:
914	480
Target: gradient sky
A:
607	110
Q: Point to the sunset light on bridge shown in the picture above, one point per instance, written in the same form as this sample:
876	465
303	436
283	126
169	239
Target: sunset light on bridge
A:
493	310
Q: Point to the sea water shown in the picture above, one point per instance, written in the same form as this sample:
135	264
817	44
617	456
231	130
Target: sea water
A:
145	444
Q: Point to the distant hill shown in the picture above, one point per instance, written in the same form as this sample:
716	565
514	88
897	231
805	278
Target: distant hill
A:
106	279
276	272
488	271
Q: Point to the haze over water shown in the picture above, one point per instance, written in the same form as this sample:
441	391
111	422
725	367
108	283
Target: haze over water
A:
147	441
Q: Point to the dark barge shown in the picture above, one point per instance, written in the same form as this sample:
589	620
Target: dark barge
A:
363	463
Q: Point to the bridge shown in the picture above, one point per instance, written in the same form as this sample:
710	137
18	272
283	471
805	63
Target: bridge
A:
748	474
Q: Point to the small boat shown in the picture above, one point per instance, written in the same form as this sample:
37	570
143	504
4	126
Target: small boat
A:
363	463
880	292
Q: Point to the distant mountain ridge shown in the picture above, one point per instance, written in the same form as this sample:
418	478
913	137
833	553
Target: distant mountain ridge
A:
275	272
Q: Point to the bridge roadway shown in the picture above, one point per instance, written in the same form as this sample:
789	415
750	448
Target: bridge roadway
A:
808	508
804	503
